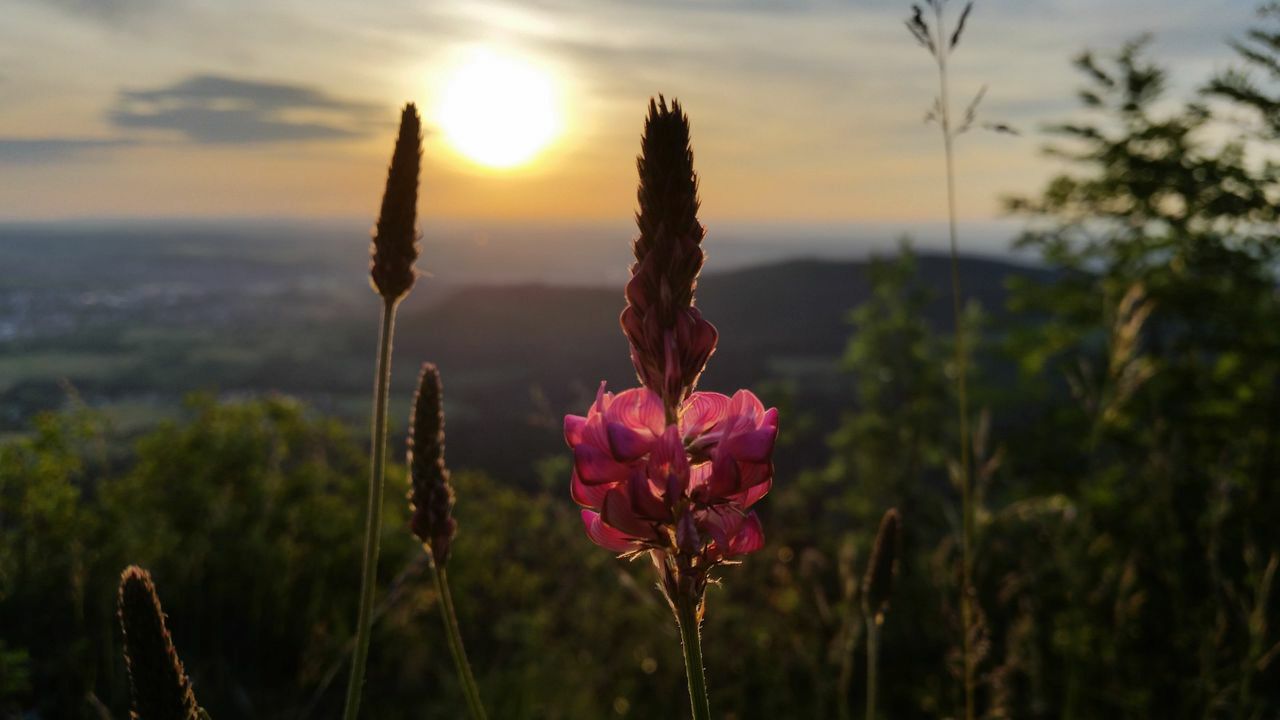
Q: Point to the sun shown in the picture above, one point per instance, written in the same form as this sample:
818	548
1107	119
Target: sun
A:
498	110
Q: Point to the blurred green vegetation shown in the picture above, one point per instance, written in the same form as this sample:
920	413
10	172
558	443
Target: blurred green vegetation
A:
1126	479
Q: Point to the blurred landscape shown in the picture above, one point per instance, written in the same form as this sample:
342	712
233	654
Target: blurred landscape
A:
130	319
192	396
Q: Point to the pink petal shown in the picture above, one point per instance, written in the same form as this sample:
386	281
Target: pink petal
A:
721	523
616	511
754	446
633	420
750	537
573	425
595	466
639	409
752	474
697	339
588	496
701	412
647	501
725	478
602	400
594	432
699	476
605	536
746	404
627	444
668	458
752	494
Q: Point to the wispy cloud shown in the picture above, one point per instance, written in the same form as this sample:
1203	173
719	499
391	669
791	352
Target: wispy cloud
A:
214	110
109	11
50	149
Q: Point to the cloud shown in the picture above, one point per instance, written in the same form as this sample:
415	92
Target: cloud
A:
219	110
109	11
52	149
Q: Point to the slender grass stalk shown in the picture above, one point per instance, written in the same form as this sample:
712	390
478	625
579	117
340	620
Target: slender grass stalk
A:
873	663
845	678
877	589
373	519
393	252
456	648
431	498
940	45
691	640
850	628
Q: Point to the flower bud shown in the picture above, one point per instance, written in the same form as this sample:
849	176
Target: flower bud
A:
670	341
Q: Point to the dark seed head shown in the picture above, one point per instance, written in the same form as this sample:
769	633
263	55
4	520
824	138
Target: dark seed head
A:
430	495
877	584
395	240
159	684
964	16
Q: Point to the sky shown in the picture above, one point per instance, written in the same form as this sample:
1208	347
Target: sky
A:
801	110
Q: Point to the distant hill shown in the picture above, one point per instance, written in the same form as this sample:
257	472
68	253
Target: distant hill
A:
793	309
136	316
516	357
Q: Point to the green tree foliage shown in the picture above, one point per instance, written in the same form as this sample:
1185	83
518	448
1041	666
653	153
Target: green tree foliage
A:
1164	326
891	449
244	512
47	542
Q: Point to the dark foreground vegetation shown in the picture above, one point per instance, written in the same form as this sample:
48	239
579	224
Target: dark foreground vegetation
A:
1127	414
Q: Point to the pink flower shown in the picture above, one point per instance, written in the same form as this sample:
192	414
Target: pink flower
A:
661	469
685	487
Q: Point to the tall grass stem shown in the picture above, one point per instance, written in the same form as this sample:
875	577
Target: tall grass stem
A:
454	635
873	663
961	360
373	519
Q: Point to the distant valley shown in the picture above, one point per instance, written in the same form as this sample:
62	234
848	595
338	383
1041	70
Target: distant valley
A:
131	323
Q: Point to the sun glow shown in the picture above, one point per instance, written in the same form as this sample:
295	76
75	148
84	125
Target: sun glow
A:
498	110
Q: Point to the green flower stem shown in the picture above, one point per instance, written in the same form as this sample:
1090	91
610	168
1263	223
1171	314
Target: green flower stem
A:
454	636
373	521
691	639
